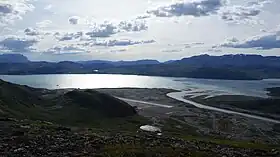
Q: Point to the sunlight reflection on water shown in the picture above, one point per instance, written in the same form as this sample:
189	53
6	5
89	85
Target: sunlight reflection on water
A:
83	81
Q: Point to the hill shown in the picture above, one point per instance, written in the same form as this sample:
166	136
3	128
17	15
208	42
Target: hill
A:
70	107
13	58
239	60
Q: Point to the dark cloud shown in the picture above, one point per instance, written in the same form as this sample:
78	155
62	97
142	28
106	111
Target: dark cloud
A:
17	44
188	8
31	32
74	20
6	9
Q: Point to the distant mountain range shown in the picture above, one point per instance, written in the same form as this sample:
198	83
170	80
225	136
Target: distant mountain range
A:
237	67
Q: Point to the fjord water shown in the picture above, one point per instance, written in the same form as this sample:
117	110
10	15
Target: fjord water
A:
83	81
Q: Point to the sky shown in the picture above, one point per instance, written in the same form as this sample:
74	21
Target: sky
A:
55	30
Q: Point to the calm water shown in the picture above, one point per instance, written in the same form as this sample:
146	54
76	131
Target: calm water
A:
253	88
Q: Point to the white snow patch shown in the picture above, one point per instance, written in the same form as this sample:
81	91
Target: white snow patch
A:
150	128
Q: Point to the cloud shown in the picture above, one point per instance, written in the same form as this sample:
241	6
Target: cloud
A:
48	7
115	42
74	20
44	23
103	30
132	26
81	47
16	44
68	36
145	16
6	8
238	13
31	32
125	42
13	10
67	49
107	29
190	45
264	42
118	50
215	50
36	32
188	8
172	50
243	13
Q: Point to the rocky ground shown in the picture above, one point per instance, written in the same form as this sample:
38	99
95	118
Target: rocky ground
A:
25	138
185	130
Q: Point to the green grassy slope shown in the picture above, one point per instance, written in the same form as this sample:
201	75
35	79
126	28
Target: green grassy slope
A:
88	106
